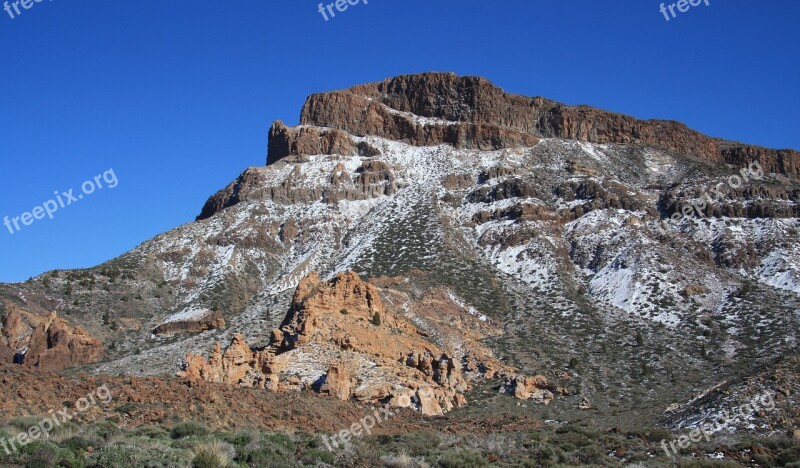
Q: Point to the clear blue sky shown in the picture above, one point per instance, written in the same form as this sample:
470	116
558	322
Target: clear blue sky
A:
177	96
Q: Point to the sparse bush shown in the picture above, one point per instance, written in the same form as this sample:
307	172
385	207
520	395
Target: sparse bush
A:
151	432
280	440
313	456
238	439
42	458
76	443
215	454
416	444
462	459
188	428
128	456
267	457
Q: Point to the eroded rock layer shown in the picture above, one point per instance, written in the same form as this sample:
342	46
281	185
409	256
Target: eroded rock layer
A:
471	112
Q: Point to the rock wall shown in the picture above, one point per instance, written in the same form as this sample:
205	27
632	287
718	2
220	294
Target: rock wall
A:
474	113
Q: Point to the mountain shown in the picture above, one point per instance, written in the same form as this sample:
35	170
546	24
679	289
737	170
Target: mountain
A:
634	264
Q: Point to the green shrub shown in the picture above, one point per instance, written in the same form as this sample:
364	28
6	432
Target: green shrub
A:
42	458
24	422
574	363
281	441
215	454
790	455
238	439
592	455
127	408
107	430
657	435
267	458
313	456
188	428
41	453
151	432
128	456
403	460
701	463
77	444
416	444
462	459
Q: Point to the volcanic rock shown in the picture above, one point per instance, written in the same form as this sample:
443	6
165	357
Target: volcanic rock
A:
340	332
51	345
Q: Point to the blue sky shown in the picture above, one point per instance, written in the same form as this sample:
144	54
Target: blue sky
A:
177	97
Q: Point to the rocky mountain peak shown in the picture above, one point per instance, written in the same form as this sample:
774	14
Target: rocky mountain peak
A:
470	112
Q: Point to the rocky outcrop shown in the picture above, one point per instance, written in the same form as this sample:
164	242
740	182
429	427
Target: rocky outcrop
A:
49	344
471	112
748	201
530	388
11	338
373	178
340	339
362	116
337	382
464	112
210	321
302	141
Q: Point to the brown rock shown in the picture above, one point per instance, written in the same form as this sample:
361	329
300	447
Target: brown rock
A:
54	346
302	141
483	116
405	368
337	382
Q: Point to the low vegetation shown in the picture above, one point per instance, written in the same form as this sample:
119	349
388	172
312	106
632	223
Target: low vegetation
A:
192	444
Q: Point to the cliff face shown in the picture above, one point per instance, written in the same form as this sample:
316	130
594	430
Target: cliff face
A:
470	112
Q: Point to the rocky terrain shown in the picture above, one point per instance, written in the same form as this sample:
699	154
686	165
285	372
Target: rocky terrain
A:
503	235
339	339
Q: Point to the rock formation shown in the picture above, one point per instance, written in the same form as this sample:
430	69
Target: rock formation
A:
48	344
471	112
340	339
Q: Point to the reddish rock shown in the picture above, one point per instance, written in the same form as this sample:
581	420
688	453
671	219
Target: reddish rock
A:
337	382
330	328
474	113
53	344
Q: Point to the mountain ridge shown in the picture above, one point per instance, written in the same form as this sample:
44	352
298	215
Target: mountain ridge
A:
558	240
